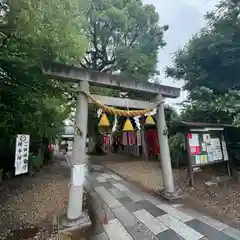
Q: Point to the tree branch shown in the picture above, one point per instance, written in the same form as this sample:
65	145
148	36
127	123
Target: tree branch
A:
87	61
83	66
133	40
106	63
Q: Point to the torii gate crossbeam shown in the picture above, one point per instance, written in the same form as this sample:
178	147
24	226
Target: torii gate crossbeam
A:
76	74
85	77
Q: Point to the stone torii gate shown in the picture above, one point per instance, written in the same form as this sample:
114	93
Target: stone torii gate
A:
85	78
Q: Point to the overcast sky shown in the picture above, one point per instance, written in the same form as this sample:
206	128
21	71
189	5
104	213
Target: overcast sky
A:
184	17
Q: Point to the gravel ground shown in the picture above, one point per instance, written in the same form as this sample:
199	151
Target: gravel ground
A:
30	205
140	172
222	201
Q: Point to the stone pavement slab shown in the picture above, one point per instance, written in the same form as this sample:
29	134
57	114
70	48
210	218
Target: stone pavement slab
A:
141	232
233	233
134	214
107	197
169	234
153	224
116	231
206	230
175	212
180	228
205	219
117	193
125	217
152	209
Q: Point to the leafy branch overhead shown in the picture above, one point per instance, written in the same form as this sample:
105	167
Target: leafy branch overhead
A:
32	32
123	35
52	29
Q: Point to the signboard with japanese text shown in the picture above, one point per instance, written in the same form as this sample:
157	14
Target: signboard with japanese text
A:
206	147
21	154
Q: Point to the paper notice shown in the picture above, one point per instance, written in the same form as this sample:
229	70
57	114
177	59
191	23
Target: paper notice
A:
198	159
204	147
78	175
195	150
212	141
206	138
210	156
219	155
204	159
193	139
209	148
215	143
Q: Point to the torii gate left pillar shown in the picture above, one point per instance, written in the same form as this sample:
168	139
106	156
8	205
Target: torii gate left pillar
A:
78	160
86	77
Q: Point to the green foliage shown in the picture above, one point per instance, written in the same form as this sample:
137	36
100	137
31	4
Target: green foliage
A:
32	32
209	65
171	116
207	107
34	163
52	29
236	121
30	103
123	35
177	148
211	58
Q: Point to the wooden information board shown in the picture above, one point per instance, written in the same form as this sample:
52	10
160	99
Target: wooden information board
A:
206	147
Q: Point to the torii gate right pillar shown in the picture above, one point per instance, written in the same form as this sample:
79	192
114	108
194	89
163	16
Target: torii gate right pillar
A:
169	190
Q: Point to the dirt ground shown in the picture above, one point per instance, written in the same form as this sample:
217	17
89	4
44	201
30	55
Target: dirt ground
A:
220	200
30	205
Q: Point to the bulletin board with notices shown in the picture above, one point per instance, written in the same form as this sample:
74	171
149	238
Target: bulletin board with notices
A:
206	148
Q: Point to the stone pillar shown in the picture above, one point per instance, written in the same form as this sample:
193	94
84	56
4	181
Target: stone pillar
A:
79	157
164	148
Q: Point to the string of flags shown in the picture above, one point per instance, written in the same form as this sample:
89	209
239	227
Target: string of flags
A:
114	128
138	125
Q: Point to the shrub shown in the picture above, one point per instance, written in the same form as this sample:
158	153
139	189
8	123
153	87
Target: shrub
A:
177	148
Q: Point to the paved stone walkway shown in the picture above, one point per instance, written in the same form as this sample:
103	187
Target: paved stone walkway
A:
124	212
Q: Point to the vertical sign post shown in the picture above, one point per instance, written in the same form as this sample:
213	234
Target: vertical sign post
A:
21	154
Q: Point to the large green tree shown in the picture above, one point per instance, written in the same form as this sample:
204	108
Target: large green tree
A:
31	32
123	35
211	58
51	29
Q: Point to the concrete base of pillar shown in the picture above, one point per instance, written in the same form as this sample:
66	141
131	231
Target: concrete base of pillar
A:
173	196
67	225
